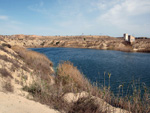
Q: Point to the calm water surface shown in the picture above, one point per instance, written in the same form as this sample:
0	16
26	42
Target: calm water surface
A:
124	67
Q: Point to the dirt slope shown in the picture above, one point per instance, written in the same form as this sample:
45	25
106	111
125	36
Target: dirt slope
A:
11	103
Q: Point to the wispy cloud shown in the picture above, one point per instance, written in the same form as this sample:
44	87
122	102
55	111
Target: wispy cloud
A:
126	9
88	16
3	17
127	14
38	7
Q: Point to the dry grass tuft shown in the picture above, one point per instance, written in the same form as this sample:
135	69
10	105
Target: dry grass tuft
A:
70	75
135	102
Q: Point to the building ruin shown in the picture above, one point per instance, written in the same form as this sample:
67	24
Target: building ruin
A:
129	38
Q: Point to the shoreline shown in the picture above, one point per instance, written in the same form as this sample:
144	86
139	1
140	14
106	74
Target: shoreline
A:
91	49
86	42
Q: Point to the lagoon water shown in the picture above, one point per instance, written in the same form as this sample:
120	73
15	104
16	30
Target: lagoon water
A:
123	66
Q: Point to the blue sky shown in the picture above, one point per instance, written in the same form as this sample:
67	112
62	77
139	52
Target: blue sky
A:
74	17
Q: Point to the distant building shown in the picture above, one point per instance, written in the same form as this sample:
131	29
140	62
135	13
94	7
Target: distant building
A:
129	38
126	37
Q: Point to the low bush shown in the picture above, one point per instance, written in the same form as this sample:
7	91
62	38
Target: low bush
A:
70	75
33	89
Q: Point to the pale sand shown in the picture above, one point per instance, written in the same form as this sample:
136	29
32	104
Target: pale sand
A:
12	103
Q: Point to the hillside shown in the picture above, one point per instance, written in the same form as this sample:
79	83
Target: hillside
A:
21	69
15	73
94	42
12	103
26	75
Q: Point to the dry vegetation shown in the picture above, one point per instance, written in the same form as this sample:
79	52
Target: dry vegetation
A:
70	75
23	66
69	79
38	62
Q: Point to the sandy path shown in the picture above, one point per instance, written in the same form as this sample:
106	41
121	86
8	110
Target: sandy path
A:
11	103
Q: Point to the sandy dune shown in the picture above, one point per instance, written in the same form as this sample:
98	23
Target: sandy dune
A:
11	103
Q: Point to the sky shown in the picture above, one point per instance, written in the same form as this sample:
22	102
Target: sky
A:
75	17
